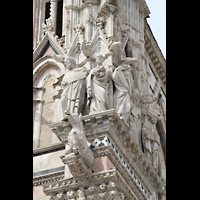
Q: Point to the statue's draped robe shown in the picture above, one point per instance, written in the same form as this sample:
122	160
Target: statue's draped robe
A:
151	141
74	92
97	90
123	92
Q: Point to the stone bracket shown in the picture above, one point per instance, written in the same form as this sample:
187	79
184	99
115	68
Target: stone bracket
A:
76	164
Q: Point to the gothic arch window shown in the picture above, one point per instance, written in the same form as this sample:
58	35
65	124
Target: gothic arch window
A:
46	109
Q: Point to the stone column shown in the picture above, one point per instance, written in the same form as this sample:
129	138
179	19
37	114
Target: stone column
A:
57	112
89	23
37	120
112	22
53	13
68	28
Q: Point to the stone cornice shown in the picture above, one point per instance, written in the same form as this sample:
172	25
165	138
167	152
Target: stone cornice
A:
39	180
155	54
91	181
144	7
141	190
47	148
109	123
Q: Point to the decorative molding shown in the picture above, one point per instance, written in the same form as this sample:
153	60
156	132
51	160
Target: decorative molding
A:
144	7
156	56
35	89
53	40
35	101
109	182
45	61
47	148
40	180
109	123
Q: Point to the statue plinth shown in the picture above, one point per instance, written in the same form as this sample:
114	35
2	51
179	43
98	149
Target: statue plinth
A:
76	164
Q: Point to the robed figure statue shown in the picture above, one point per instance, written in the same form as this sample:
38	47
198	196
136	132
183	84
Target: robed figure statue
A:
97	87
73	85
124	91
150	137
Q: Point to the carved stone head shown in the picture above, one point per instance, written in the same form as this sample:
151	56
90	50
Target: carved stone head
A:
69	62
100	59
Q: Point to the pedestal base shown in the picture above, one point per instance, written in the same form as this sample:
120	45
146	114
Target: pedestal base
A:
76	164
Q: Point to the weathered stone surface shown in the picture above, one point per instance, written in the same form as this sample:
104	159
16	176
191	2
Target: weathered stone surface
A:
97	64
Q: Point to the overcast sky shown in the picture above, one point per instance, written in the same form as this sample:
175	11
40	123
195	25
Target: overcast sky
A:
157	22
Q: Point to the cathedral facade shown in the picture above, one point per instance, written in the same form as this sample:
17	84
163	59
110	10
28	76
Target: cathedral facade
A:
99	102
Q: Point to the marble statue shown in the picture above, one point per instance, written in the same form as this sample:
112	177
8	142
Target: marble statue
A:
150	137
77	142
123	93
97	87
73	85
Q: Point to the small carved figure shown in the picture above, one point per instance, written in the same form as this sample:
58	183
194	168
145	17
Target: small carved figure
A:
79	28
49	26
97	87
73	85
150	137
100	21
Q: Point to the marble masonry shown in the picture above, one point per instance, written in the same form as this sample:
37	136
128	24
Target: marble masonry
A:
99	102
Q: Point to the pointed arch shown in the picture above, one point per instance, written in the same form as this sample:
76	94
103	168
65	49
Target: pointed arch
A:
42	65
45	70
